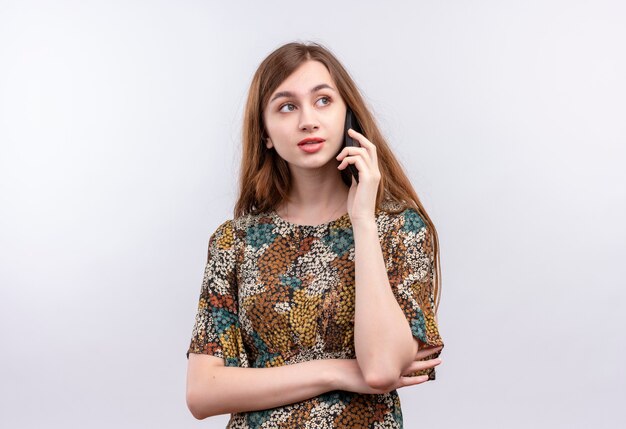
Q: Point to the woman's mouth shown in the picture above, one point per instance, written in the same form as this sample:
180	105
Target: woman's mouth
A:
311	145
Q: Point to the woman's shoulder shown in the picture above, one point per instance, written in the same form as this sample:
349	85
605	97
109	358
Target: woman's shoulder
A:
245	221
240	224
223	236
394	215
230	233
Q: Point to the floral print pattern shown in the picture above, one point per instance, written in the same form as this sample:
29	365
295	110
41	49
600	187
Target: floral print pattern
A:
277	293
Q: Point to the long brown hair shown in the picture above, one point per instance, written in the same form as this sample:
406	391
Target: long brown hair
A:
265	180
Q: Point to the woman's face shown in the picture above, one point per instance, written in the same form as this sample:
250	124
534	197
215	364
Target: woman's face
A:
306	104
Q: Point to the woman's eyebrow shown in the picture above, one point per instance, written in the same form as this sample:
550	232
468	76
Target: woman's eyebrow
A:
290	94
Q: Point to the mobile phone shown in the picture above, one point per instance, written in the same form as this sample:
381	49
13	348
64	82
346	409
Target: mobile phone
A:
351	122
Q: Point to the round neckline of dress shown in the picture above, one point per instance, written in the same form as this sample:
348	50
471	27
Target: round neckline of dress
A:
280	220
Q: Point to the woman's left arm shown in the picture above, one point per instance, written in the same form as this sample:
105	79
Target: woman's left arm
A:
383	340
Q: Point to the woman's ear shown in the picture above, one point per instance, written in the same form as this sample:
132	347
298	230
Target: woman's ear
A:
265	138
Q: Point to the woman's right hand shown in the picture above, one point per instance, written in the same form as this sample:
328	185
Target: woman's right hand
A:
349	376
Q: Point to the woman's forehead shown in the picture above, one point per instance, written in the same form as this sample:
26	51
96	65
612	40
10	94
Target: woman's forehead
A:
308	77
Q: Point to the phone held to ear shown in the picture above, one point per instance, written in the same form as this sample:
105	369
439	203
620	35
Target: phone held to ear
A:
351	122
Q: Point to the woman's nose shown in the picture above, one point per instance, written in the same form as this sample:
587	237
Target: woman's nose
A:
308	120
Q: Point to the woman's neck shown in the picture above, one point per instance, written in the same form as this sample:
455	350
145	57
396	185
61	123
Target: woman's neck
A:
317	216
316	196
313	202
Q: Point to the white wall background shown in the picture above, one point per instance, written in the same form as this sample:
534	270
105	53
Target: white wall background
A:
119	134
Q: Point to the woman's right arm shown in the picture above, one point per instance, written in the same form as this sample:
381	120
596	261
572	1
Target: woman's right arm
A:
214	389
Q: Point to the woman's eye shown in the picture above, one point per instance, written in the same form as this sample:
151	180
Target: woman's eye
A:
282	108
325	98
285	105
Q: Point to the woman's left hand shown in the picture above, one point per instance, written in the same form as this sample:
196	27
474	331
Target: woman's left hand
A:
362	195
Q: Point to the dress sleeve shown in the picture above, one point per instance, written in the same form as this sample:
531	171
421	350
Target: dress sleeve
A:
217	330
410	265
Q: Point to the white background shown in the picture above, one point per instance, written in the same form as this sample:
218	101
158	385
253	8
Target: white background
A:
120	135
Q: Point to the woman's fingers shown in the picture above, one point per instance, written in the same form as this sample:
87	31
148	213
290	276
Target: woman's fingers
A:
358	161
365	143
421	354
417	365
411	381
421	364
351	153
367	150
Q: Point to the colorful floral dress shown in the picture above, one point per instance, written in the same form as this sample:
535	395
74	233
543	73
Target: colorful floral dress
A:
277	293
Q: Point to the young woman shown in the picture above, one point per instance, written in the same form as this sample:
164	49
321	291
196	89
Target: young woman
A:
319	297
